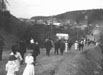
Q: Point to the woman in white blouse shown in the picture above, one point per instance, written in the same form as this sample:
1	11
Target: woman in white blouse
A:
17	54
29	69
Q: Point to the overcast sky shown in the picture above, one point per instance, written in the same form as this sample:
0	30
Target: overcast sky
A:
29	8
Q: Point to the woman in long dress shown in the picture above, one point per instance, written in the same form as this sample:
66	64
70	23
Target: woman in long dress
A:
11	66
76	45
29	69
17	54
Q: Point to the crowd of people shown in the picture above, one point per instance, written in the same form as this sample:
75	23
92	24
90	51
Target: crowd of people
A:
16	58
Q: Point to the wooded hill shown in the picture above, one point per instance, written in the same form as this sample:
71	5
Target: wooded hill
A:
10	25
92	15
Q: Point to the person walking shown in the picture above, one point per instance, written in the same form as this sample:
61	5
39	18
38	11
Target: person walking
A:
62	47
76	45
70	45
57	46
36	51
30	68
22	49
11	66
48	46
79	46
82	45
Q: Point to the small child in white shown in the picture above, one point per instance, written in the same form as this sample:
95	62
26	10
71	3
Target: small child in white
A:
11	66
29	69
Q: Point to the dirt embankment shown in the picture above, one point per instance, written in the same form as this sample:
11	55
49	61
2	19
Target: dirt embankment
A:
88	62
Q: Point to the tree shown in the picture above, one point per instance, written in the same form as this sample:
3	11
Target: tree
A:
3	5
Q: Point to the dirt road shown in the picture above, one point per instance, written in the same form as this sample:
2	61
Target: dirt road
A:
45	65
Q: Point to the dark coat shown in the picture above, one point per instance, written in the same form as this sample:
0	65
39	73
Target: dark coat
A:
57	44
22	47
62	45
70	44
36	49
48	44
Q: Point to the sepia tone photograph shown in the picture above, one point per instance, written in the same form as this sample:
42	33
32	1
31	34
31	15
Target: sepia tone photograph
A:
51	37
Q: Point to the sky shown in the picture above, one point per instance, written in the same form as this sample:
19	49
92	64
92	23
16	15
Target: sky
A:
31	8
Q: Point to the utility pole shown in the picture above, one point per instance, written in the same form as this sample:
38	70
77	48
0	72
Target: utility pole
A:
77	34
51	29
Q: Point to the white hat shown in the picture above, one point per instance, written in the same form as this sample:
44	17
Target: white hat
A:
32	41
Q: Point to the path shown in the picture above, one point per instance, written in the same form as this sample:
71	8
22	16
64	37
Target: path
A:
45	65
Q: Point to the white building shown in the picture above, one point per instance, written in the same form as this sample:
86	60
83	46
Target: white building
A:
62	35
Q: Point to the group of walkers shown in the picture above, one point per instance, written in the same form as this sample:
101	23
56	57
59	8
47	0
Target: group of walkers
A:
79	45
17	58
62	45
58	45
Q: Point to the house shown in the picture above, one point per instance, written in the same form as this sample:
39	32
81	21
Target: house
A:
62	36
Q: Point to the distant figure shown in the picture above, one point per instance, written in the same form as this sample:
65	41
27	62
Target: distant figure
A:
66	46
1	48
62	47
70	45
11	66
32	42
84	41
81	45
36	51
29	69
76	45
22	48
48	46
57	46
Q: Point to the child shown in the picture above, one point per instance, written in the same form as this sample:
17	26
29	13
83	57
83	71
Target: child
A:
11	66
29	69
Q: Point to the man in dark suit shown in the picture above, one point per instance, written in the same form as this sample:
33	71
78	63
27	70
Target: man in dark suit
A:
22	48
48	46
57	46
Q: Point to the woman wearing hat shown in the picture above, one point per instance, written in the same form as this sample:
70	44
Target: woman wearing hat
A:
29	69
17	54
11	66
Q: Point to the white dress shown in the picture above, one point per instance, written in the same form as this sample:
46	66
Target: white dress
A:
66	47
76	45
29	69
19	58
11	67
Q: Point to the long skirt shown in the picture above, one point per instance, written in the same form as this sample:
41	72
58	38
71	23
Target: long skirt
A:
29	70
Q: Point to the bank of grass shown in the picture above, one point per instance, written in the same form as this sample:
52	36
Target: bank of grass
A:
71	63
87	62
44	65
3	62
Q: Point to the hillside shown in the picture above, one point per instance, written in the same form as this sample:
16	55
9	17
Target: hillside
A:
91	15
14	27
11	28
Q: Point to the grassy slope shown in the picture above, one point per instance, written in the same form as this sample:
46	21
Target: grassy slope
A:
85	63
